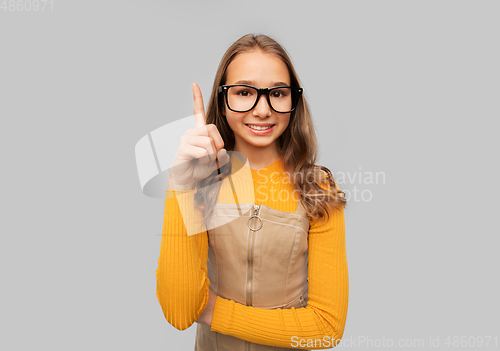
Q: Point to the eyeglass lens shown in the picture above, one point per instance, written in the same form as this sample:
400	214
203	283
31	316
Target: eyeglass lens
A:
242	98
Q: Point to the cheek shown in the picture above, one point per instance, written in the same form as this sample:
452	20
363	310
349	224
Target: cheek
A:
285	121
233	119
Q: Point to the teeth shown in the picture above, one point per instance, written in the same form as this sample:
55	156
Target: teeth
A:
258	127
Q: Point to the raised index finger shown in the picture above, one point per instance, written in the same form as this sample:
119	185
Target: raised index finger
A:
199	109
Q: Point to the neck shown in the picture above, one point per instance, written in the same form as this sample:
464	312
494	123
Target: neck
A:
259	157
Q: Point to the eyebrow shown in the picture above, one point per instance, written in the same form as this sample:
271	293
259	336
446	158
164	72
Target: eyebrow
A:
251	82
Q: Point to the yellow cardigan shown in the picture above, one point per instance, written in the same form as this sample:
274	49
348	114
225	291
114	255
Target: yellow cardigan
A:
182	283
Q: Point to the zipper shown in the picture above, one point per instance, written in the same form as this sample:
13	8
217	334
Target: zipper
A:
251	242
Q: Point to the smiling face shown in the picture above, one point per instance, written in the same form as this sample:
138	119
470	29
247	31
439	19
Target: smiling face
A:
263	71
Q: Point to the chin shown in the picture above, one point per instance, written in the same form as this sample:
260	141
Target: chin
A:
261	143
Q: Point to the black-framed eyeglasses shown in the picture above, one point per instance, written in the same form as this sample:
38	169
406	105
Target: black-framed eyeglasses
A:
243	98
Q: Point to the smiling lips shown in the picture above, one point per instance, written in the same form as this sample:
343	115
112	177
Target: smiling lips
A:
264	128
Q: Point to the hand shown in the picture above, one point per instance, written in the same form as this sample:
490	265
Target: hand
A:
195	158
206	316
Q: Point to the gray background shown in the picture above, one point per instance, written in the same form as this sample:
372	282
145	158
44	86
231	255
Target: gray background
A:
408	88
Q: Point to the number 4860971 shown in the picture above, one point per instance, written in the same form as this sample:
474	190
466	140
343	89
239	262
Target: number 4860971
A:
27	5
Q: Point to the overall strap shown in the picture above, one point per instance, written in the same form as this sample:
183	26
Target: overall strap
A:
301	210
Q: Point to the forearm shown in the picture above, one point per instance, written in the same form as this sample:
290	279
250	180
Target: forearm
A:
280	328
182	283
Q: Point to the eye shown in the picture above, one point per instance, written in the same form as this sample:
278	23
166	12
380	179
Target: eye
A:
244	93
279	93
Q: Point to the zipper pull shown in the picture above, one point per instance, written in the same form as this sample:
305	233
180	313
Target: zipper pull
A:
255	215
255	209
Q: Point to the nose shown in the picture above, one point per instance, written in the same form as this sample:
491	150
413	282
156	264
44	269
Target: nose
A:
262	109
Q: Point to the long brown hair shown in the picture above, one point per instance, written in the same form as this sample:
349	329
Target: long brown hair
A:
297	145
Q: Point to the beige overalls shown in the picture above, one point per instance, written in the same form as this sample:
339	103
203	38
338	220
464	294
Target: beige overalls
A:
257	257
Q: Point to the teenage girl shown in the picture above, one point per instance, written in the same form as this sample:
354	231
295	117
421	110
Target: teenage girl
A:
270	271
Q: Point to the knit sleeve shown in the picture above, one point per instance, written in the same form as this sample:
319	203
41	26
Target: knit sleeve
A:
321	323
182	283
